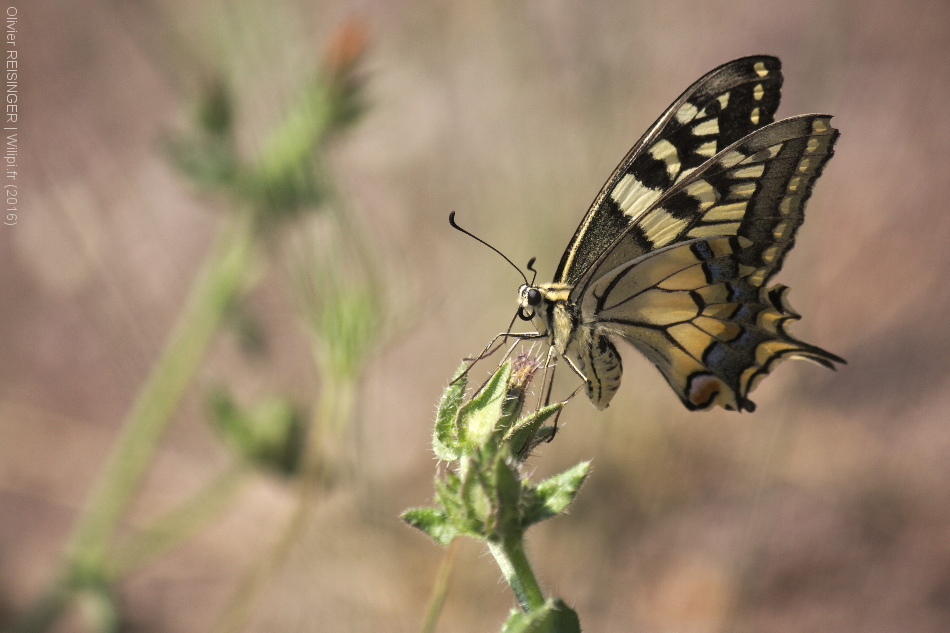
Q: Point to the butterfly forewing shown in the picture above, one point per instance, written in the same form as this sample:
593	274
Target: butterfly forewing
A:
757	187
722	107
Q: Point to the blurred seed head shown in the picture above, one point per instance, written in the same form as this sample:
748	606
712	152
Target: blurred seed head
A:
347	44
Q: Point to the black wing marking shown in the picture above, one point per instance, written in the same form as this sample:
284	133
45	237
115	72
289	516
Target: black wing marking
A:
722	107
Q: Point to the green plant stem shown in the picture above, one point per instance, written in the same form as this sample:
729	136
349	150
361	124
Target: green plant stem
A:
174	527
441	588
321	457
511	557
325	451
212	295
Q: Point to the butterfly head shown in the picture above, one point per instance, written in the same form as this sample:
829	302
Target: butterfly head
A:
530	299
545	305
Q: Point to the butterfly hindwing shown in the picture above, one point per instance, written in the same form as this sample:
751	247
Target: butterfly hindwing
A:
722	107
599	362
699	312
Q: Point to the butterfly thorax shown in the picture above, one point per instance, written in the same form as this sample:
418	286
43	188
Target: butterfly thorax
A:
588	352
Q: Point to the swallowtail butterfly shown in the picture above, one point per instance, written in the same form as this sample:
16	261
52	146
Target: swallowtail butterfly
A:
676	250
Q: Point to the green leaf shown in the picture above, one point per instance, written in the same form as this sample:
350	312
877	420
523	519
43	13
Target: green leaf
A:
553	617
448	495
291	143
508	488
524	435
433	522
214	111
479	416
445	440
554	494
544	434
225	413
479	500
448	485
270	432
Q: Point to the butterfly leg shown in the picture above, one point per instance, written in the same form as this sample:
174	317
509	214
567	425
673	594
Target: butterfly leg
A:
522	336
547	386
488	351
576	370
547	382
507	354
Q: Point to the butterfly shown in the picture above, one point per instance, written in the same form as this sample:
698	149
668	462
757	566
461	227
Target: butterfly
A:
676	251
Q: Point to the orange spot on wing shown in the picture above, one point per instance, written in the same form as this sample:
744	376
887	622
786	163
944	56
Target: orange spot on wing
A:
703	390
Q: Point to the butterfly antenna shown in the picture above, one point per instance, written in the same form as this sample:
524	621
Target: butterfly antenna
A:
478	239
531	268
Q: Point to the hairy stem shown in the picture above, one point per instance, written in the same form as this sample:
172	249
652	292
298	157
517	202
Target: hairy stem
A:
510	556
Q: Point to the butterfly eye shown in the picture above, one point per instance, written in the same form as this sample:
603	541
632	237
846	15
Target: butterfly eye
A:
534	297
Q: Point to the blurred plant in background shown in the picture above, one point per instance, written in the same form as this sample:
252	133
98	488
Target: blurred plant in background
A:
283	192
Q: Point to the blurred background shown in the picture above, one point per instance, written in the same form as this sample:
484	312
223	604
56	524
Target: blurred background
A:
827	509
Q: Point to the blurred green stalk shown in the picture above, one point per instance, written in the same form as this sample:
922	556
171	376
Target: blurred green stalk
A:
321	457
87	555
179	524
287	179
211	298
441	588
